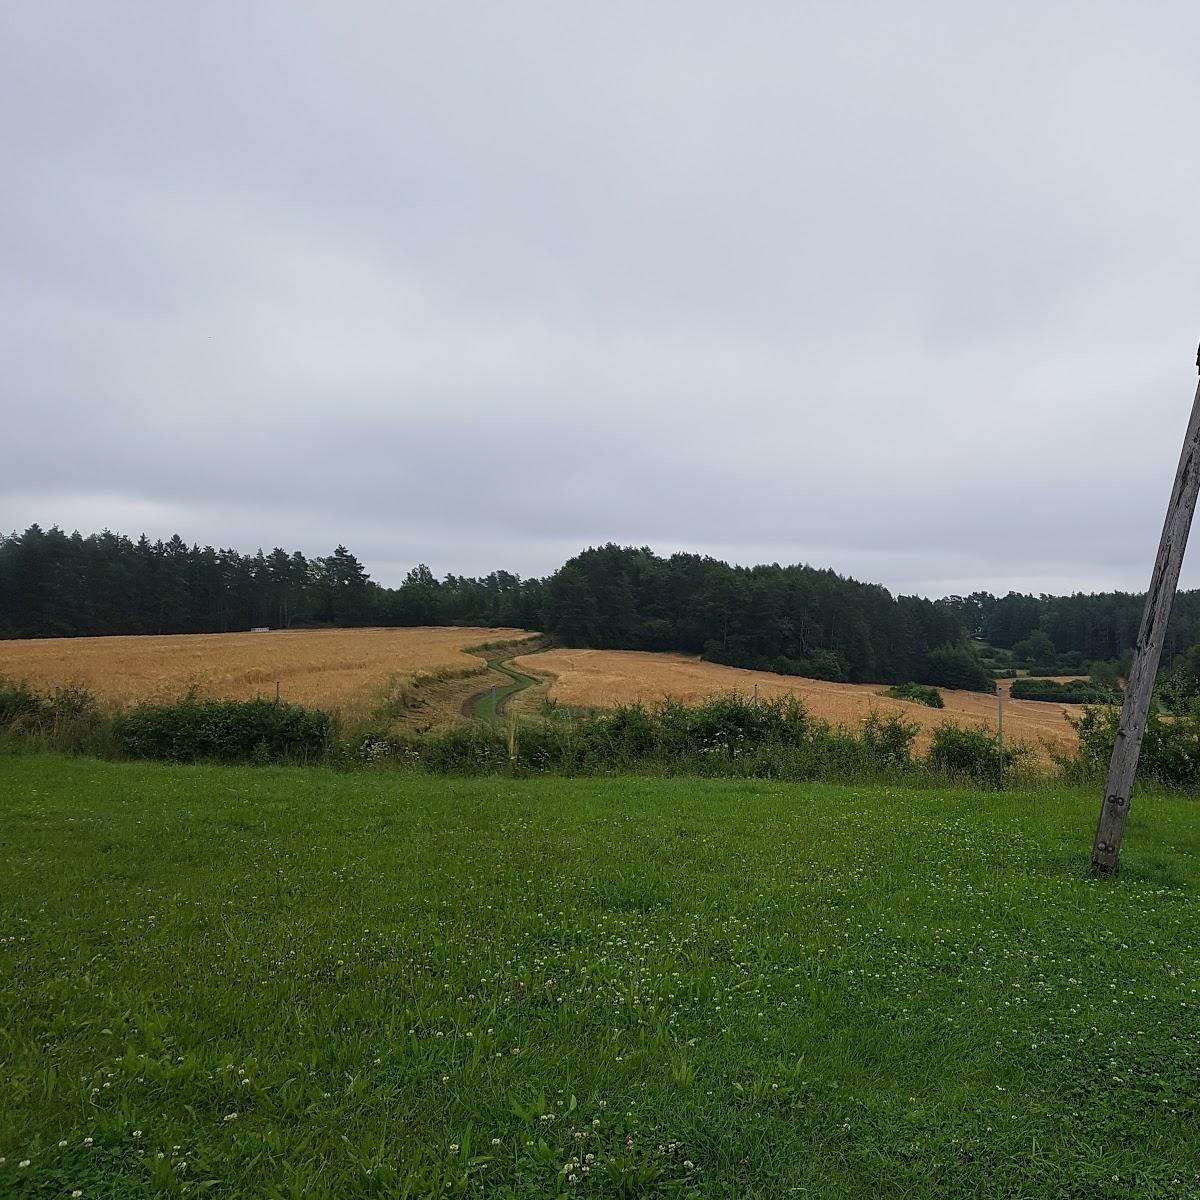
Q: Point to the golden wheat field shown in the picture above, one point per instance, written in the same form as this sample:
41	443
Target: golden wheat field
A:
339	669
602	678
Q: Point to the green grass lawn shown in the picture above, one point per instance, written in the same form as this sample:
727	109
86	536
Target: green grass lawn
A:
267	982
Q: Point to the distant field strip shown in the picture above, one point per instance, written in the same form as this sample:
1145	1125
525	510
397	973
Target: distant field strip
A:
603	678
331	668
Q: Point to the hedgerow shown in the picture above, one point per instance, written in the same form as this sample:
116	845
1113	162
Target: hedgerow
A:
774	738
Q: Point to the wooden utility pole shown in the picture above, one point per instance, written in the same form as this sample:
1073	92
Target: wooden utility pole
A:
1106	850
1000	727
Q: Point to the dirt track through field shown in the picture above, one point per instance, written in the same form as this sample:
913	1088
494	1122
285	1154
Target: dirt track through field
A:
492	702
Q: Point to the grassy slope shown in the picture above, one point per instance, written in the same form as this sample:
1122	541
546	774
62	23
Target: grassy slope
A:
799	990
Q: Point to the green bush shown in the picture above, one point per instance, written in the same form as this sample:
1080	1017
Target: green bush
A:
66	718
20	706
888	741
229	731
918	692
972	755
1170	747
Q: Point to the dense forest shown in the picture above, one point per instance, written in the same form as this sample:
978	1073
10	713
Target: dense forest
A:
790	619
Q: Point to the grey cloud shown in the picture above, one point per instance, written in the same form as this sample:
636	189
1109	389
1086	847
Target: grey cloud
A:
904	290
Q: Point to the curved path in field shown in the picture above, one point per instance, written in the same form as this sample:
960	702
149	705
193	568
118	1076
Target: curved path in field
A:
490	702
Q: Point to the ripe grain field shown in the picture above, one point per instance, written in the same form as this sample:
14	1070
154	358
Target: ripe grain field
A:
339	669
604	678
262	982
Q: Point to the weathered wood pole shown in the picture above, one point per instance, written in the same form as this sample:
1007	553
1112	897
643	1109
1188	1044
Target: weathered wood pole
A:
1106	850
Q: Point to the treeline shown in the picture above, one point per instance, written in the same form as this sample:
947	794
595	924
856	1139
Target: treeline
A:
57	585
1080	628
795	620
788	619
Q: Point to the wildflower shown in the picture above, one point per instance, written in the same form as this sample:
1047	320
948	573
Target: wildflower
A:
231	1116
23	1163
76	1193
137	1133
495	1141
62	1143
87	1141
454	1147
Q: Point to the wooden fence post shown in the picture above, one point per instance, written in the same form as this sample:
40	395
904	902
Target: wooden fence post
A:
1106	849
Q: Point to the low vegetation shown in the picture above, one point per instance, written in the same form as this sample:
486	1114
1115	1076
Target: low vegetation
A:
1073	691
279	982
1170	754
728	735
929	696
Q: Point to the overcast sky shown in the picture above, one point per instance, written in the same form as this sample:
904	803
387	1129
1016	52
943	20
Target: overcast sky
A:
908	290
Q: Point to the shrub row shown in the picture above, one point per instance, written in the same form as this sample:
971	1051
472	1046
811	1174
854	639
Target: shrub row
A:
775	738
1075	691
727	736
229	731
187	730
822	664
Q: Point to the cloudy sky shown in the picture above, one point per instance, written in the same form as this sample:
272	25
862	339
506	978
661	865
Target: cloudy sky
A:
909	290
